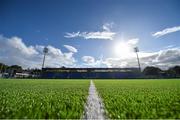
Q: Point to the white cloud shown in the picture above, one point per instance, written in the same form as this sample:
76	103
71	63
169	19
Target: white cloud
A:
106	34
55	52
98	35
71	48
72	35
115	62
88	59
166	31
163	59
15	45
169	46
92	35
14	51
107	26
133	41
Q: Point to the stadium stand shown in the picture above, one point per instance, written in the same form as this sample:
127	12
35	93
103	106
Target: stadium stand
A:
78	73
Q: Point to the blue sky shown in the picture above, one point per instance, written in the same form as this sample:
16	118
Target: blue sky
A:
93	28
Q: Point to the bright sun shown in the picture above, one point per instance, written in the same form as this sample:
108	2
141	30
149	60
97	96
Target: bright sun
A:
122	49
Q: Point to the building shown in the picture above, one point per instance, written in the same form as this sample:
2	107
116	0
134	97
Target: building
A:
96	73
22	75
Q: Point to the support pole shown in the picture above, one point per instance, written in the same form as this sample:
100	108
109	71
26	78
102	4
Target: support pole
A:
44	60
45	51
138	62
137	50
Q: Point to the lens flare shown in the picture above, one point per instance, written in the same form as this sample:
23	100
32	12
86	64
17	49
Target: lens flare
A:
122	49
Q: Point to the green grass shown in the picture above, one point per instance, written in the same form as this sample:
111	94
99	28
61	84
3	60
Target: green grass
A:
66	98
140	98
42	98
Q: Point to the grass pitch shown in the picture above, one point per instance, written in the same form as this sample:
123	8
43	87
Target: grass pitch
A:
134	99
42	98
66	98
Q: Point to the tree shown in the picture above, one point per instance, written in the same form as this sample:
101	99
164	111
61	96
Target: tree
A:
152	71
3	67
171	73
177	70
174	71
12	70
16	67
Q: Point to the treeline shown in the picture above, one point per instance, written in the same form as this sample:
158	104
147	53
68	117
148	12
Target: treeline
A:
13	69
5	68
155	72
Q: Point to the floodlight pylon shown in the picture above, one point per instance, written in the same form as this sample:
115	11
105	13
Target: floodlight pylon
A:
136	50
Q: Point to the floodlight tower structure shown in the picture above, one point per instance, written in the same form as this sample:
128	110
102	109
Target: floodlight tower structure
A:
136	50
45	51
1	68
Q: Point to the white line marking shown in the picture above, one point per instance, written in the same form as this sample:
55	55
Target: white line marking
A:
94	107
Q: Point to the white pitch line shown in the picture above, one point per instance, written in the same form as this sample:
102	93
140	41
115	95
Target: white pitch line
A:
94	107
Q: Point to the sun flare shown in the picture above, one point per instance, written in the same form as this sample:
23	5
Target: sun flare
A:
122	49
